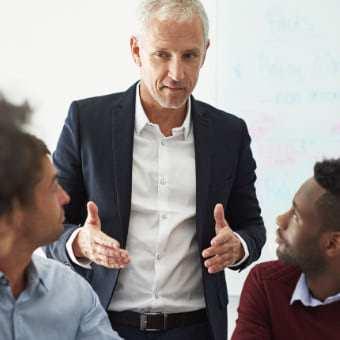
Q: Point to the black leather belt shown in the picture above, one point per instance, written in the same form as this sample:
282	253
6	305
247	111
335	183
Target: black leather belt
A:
157	321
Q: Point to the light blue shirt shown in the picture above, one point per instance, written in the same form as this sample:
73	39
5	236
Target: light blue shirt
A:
302	293
57	304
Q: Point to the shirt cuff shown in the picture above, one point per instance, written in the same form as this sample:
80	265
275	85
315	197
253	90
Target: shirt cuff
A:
82	262
246	252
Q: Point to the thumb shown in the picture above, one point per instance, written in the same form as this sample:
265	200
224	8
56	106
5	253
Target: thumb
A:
92	215
220	221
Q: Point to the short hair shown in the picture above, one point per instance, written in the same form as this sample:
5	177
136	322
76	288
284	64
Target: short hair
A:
327	175
21	157
179	10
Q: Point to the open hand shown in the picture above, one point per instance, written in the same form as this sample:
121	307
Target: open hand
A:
93	244
226	248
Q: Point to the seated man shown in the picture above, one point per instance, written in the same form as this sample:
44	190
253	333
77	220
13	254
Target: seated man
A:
39	298
298	297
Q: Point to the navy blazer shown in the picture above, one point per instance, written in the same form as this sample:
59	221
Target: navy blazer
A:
94	162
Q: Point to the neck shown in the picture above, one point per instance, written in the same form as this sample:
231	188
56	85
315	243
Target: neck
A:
14	261
165	118
325	284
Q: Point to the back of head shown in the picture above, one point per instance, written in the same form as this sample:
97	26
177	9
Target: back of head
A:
178	10
13	115
327	175
21	156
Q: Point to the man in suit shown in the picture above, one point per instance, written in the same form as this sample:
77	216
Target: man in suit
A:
162	170
298	296
35	302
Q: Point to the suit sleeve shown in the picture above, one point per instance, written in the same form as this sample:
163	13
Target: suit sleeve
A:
253	321
67	160
243	208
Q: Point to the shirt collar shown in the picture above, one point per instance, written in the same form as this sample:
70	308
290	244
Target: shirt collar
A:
142	119
302	293
36	274
36	277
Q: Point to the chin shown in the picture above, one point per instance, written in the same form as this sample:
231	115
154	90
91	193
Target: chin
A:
167	104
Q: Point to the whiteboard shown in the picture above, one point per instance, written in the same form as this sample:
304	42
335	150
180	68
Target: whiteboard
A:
278	67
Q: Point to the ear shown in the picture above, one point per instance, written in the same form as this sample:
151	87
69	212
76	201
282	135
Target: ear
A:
135	50
332	245
205	52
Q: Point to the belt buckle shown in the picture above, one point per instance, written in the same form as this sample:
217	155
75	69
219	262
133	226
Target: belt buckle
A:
143	321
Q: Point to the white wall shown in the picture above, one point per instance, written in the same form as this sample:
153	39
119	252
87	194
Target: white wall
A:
275	63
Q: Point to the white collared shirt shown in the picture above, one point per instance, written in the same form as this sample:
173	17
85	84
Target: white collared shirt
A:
165	269
302	293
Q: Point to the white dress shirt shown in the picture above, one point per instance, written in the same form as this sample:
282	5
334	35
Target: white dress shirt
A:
165	270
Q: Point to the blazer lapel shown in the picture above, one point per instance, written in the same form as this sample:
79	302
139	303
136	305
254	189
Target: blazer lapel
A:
122	147
202	136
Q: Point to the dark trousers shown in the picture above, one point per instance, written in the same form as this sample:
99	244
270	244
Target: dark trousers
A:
200	331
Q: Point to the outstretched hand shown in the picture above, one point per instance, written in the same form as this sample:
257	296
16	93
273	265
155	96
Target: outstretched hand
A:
226	248
91	243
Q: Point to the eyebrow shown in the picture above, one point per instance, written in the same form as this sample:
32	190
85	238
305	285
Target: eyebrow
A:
191	50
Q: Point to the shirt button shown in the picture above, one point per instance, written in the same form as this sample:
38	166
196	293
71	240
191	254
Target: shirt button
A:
164	216
163	142
156	295
158	256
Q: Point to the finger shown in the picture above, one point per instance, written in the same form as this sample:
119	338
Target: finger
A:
218	250
92	214
106	251
219	260
107	261
216	269
120	255
220	221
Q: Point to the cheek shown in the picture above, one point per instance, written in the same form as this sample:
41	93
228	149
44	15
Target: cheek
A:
193	74
291	234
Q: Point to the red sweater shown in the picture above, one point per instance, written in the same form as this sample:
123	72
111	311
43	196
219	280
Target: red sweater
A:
265	311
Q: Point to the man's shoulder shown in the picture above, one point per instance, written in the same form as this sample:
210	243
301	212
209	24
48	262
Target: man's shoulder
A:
105	102
54	274
223	123
276	271
216	113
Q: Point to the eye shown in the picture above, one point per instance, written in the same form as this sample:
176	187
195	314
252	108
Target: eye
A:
162	55
189	55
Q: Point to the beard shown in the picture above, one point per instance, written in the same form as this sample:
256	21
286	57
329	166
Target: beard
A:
308	258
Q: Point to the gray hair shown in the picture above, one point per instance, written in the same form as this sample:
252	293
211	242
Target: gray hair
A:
179	10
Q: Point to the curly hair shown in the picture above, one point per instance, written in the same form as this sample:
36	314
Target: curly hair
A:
327	175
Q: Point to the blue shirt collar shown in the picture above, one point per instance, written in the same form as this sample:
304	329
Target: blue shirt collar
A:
36	277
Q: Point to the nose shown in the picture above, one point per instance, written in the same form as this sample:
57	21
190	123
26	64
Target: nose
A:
64	198
176	69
